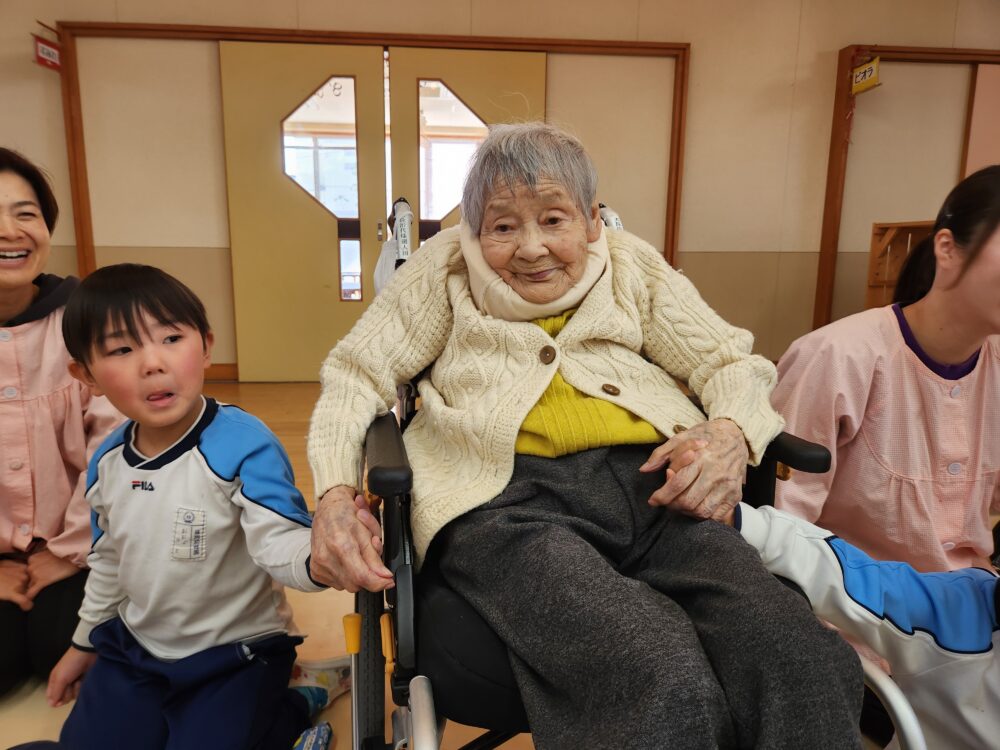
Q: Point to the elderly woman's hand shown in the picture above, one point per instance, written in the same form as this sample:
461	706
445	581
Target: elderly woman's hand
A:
708	464
347	544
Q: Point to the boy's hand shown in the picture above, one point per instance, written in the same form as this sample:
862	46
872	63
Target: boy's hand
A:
347	544
44	569
67	675
14	583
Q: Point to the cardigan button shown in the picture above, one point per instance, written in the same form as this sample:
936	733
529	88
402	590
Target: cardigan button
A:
679	428
5	335
611	390
547	355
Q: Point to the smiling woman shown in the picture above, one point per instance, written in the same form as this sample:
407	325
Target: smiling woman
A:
50	425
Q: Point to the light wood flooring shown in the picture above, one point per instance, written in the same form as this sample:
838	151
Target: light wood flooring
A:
285	408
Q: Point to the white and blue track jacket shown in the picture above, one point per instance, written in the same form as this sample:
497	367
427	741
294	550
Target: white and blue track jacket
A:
191	546
938	631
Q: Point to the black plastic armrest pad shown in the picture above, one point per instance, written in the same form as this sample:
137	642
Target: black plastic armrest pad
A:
406	648
798	454
389	470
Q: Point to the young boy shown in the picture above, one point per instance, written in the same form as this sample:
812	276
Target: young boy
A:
938	631
185	635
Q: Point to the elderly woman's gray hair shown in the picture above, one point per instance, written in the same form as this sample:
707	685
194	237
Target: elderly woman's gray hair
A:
524	154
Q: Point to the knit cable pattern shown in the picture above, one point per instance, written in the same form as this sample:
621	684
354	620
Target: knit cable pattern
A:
642	325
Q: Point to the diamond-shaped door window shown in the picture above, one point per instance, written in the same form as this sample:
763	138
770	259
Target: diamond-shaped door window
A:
450	132
321	155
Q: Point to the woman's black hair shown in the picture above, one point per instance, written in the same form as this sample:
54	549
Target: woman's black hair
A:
972	213
11	161
118	295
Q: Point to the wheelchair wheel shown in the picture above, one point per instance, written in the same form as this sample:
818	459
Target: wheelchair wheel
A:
369	680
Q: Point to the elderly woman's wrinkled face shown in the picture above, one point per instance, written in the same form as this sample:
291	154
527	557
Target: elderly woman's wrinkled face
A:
536	240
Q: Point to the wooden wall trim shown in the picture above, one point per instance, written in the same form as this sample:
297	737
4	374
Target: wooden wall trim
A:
963	163
304	36
70	30
840	143
833	204
222	372
76	154
676	170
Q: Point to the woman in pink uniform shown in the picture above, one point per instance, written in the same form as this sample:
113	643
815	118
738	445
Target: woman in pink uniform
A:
907	399
49	425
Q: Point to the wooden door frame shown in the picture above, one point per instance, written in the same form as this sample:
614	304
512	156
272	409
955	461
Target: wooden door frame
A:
840	135
70	31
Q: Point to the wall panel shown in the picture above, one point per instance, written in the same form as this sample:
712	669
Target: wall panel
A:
984	121
156	165
624	135
905	156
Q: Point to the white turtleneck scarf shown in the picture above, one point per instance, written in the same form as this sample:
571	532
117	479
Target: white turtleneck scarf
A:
494	296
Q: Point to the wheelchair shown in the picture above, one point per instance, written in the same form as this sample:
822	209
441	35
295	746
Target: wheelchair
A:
442	661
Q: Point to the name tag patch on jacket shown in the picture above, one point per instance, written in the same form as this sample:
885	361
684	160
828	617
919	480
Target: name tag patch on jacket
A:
189	535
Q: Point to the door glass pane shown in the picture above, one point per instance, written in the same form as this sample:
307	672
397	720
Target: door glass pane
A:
321	147
321	155
449	134
350	269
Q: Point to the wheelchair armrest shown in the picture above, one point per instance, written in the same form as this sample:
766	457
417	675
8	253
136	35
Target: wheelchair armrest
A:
391	478
389	470
798	454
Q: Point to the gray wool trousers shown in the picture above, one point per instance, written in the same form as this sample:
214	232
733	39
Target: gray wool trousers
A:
630	626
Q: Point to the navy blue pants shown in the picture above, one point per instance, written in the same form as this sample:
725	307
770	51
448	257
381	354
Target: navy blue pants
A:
222	697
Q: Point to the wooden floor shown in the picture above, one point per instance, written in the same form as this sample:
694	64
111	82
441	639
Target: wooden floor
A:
285	408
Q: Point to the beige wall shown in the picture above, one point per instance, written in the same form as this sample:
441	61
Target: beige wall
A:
905	155
629	139
984	130
152	125
758	118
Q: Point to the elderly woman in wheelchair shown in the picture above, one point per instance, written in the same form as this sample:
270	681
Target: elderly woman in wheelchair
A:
562	479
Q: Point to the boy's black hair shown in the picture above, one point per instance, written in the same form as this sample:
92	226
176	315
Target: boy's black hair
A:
119	295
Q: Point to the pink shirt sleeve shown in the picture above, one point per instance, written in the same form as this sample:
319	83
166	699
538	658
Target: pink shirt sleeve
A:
73	542
822	394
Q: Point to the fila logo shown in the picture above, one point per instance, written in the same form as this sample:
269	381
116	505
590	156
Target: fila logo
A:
142	485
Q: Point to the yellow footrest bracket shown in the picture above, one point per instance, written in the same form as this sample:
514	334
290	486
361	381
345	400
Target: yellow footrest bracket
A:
352	632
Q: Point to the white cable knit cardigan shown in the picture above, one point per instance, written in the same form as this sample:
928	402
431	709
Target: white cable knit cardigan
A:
641	323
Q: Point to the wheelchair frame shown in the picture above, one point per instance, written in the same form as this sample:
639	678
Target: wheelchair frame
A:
388	644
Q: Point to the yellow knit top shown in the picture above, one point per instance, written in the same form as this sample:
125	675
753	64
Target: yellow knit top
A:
566	420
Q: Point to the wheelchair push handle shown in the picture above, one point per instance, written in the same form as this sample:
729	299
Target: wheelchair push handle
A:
402	216
610	218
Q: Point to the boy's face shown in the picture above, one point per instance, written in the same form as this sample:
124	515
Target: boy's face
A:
155	381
